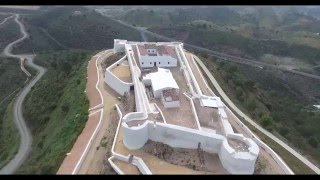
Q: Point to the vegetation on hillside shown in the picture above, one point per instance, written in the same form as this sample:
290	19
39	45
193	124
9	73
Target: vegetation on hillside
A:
73	28
9	72
3	16
56	110
267	99
239	45
9	32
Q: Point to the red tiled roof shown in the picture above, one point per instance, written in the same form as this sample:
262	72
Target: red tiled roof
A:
162	50
150	46
142	50
167	50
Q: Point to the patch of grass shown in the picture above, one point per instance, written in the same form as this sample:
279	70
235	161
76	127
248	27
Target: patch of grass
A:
56	110
11	81
238	45
59	28
9	32
294	163
9	134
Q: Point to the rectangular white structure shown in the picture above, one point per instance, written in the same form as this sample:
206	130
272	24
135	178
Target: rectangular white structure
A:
160	80
151	55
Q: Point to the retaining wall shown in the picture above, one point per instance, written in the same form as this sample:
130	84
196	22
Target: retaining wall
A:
114	82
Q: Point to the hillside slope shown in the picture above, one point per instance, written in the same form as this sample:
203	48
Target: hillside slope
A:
274	101
56	110
73	28
11	80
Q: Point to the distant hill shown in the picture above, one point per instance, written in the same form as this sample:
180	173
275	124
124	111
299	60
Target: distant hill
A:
158	17
75	28
9	31
146	18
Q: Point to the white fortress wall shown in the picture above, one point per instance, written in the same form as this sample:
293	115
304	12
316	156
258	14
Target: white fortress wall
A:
142	103
260	143
143	168
274	155
236	162
119	45
135	137
182	137
194	112
161	61
194	81
158	109
176	136
114	82
114	166
185	73
171	104
132	116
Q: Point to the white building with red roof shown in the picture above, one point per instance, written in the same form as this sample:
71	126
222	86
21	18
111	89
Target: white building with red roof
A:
151	55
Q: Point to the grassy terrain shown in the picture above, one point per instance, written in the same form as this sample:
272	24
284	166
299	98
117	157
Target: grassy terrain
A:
259	23
58	117
239	45
8	130
8	33
146	18
56	109
11	81
276	108
3	16
294	163
59	28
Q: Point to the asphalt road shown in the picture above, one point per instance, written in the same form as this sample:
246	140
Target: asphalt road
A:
248	119
25	135
5	20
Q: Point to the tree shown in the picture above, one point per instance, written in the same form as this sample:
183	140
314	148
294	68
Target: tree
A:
65	108
204	25
249	84
66	67
266	121
313	142
239	92
53	65
283	131
221	64
251	104
232	69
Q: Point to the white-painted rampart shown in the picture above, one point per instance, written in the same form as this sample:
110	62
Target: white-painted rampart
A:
274	155
143	168
193	79
135	137
114	82
182	137
194	112
185	72
260	143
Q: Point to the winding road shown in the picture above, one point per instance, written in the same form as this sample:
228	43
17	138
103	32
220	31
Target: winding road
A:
25	134
5	20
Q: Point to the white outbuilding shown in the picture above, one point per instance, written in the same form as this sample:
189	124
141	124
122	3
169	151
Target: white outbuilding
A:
163	86
153	55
